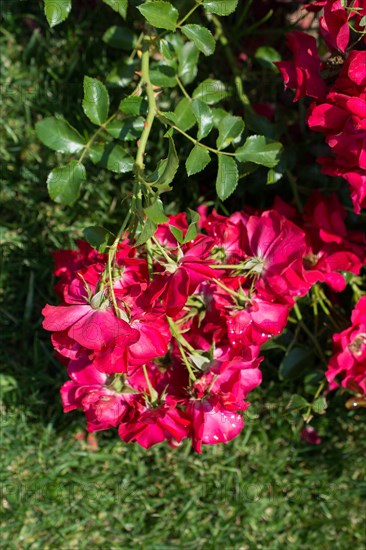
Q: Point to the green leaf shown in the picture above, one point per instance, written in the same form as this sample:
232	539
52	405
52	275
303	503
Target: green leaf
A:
120	6
197	160
256	149
167	49
177	233
112	157
192	230
59	135
187	61
133	105
246	169
98	237
166	170
169	115
211	91
296	403
129	129
64	182
191	233
295	362
220	7
272	344
312	381
122	73
56	11
147	232
261	125
184	117
160	14
266	56
203	115
199	361
121	38
202	38
163	76
96	100
273	176
155	212
320	405
7	384
230	128
227	177
218	114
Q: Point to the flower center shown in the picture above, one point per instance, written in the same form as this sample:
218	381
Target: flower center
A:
310	260
356	345
254	265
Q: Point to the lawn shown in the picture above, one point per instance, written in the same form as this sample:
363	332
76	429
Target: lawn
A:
267	489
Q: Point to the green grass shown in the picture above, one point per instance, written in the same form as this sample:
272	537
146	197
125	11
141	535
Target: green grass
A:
266	489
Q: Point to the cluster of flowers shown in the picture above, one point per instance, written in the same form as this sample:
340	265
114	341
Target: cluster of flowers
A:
340	108
349	359
165	343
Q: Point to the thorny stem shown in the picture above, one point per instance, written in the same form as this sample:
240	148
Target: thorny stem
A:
152	392
319	390
142	143
321	299
149	259
136	202
227	289
111	257
136	48
181	341
162	251
152	110
228	266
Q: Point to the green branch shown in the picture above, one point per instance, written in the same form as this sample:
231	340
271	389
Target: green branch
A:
145	74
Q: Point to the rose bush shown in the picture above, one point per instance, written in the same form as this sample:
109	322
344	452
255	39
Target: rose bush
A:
162	323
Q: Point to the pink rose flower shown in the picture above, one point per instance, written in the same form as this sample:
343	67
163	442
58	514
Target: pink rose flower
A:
303	73
349	360
342	118
310	435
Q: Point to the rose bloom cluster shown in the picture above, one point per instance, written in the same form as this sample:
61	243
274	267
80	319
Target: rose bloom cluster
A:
348	363
339	111
164	344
